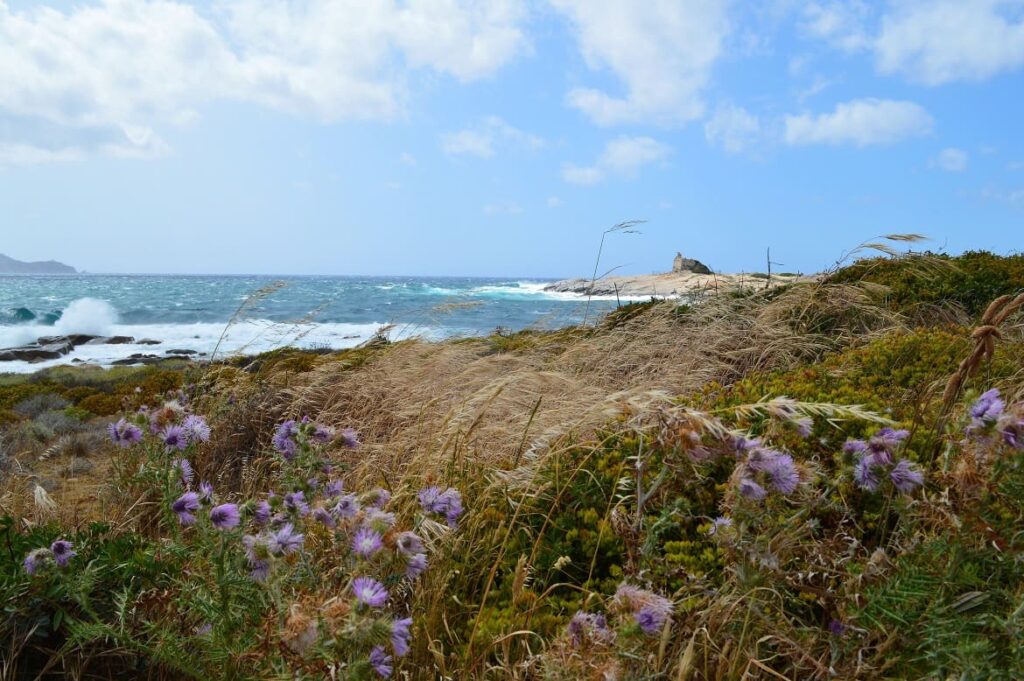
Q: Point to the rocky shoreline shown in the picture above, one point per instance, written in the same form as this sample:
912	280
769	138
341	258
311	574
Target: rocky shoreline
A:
670	285
55	347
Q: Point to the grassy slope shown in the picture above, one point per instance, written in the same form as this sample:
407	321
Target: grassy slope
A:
539	431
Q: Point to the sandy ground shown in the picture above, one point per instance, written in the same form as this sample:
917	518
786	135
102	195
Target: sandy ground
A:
670	284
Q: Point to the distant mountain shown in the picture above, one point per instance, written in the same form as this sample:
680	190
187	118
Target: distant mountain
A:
12	266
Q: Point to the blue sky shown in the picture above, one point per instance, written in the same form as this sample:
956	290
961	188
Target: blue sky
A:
501	138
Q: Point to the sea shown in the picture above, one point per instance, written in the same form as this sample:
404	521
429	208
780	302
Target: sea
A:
231	315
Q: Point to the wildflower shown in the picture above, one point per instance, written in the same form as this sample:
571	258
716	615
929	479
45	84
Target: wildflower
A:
284	438
886	440
1011	428
905	477
864	474
378	498
836	628
257	552
124	433
986	409
447	503
321	434
855	446
296	503
324	517
366	542
382	521
649	610
400	636
196	429
380	661
174	437
369	591
203	629
719	524
185	471
751	490
36	559
741	445
804	425
650	619
762	459
349	437
62	551
416	565
333	489
286	540
261	513
225	516
186	506
347	506
206	492
783	474
585	625
409	543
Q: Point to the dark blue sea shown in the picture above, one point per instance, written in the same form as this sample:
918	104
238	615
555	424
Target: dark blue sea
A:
265	312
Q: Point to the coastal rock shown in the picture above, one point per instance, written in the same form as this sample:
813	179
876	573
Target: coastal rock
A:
110	340
36	352
147	341
681	264
182	353
137	358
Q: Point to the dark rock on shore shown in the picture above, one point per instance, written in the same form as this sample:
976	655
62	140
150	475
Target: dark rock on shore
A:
55	347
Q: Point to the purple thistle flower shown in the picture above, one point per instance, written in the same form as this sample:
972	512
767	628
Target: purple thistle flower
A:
333	489
369	591
380	661
296	503
284	438
987	408
855	446
719	524
761	459
584	625
261	512
321	434
409	543
36	559
650	620
324	517
185	471
836	628
1011	428
257	552
378	498
447	503
382	521
887	439
751	490
347	506
366	542
416	565
196	429
905	477
174	437
62	551
124	433
783	473
186	506
206	492
740	446
225	516
400	636
864	474
286	540
349	438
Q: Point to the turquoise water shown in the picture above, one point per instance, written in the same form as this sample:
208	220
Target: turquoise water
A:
192	312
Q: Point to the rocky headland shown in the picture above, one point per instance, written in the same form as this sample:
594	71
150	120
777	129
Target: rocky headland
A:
9	265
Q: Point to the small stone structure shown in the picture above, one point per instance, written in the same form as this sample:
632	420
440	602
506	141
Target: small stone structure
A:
681	264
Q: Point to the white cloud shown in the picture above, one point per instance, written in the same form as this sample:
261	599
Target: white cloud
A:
841	24
860	122
662	51
27	154
622	157
481	140
733	128
503	208
407	159
554	202
945	40
121	69
951	160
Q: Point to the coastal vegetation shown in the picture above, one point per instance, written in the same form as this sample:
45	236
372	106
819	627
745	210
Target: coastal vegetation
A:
819	480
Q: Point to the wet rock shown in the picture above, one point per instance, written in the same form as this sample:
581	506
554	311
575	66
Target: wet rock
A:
182	352
36	352
138	358
147	341
111	340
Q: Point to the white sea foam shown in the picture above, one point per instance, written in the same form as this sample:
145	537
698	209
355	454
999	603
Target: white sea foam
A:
87	315
532	290
246	337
